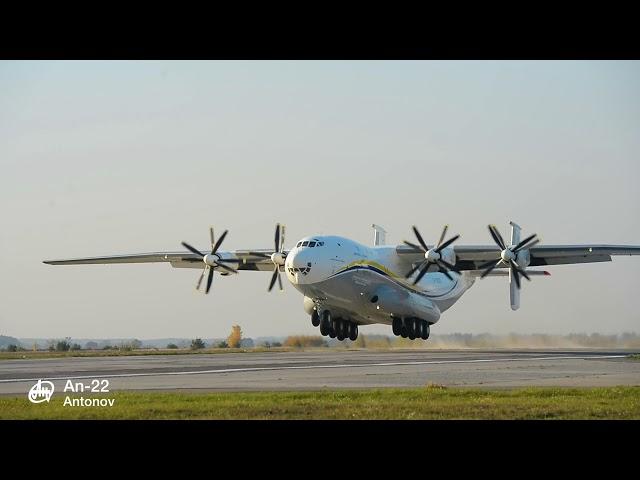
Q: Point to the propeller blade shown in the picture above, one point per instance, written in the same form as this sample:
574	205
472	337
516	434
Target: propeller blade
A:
411	272
517	268
444	232
497	237
201	277
413	245
279	281
189	247
490	269
281	249
523	243
516	276
486	265
209	280
277	248
212	238
443	269
447	243
449	266
532	244
419	237
225	267
422	272
273	278
217	245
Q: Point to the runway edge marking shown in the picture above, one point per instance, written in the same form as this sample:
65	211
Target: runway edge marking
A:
309	367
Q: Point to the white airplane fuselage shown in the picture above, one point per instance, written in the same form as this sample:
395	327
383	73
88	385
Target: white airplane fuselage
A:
367	285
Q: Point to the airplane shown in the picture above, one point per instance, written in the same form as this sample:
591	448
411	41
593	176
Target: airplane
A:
347	284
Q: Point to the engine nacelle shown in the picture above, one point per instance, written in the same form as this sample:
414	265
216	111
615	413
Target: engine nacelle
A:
448	255
405	304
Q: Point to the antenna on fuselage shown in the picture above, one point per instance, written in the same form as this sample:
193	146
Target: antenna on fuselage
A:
379	235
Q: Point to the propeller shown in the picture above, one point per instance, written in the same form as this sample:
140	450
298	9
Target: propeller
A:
508	257
278	257
212	260
432	255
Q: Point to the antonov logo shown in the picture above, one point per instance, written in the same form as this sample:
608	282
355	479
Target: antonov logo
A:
41	391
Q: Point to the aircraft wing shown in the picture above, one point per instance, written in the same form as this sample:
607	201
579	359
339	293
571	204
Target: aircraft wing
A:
469	257
239	259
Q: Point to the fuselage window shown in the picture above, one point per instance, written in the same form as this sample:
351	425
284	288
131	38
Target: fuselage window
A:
312	244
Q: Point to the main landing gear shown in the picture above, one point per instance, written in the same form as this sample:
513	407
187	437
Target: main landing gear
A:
339	328
411	328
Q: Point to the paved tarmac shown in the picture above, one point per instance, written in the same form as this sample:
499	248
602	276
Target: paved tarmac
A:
329	369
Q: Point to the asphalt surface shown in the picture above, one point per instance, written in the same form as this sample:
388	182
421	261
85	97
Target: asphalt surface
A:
329	369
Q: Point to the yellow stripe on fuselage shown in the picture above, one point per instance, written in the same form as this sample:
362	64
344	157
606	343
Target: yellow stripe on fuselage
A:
370	263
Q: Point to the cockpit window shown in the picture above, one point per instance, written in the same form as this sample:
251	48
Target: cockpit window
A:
320	244
304	244
312	244
299	243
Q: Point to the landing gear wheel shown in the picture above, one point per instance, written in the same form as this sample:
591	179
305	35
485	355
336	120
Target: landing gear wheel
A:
325	323
425	331
419	328
315	318
396	326
403	331
353	331
332	333
411	329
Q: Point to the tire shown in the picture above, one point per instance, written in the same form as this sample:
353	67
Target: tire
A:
425	331
396	326
315	318
411	329
325	323
332	333
353	332
419	328
340	330
403	331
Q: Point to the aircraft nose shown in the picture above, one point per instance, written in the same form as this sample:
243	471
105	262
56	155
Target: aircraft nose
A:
299	261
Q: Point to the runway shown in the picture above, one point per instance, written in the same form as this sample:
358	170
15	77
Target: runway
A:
330	369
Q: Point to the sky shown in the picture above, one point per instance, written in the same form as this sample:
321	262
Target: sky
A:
107	157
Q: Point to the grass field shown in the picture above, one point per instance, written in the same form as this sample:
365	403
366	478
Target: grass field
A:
431	402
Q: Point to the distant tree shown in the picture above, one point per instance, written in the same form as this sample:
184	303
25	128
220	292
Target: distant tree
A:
236	336
172	346
91	346
266	345
76	346
135	343
63	345
197	344
222	344
12	348
276	344
107	347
